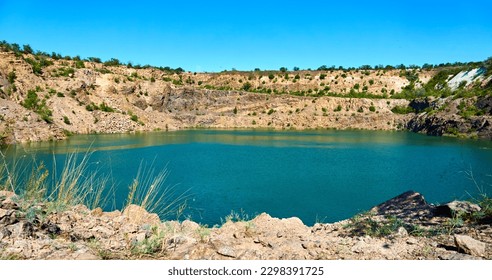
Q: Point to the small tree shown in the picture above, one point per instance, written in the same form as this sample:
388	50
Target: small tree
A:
27	49
112	62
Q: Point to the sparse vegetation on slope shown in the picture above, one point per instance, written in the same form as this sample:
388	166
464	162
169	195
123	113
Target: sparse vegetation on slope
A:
97	96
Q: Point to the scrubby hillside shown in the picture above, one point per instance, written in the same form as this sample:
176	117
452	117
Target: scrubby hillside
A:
46	97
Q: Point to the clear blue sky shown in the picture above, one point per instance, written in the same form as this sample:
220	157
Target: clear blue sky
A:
218	35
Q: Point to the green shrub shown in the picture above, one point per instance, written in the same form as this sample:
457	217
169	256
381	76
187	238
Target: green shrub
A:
91	107
11	77
79	64
247	86
33	103
66	120
64	72
467	111
105	108
372	108
32	100
338	108
402	110
38	63
112	62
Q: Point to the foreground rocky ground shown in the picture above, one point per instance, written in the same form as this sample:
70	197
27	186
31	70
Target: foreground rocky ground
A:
405	227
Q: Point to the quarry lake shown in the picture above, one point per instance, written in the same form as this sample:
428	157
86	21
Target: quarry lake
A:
318	175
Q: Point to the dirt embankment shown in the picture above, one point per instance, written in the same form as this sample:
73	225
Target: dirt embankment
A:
102	99
66	97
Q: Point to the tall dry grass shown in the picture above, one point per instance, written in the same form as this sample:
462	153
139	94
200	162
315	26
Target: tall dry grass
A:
149	191
77	183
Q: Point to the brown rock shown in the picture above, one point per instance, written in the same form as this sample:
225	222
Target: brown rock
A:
409	206
469	245
227	252
111	215
139	216
103	232
97	212
458	257
452	208
85	256
3	213
189	226
6	195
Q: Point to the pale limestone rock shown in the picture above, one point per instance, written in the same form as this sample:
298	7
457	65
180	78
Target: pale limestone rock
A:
140	216
469	245
227	251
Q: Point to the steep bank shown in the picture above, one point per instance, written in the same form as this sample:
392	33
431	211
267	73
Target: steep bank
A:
463	117
42	98
405	227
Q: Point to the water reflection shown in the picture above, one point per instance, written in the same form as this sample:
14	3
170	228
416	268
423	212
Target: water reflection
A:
312	174
327	139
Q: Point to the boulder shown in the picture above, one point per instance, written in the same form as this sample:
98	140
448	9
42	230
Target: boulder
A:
7	200
189	226
452	208
264	223
409	206
97	212
227	252
139	216
469	245
111	215
51	228
6	195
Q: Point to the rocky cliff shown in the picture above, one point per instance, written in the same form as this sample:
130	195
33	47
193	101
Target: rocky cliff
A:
72	96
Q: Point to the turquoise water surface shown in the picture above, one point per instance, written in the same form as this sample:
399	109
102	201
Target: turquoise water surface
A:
314	175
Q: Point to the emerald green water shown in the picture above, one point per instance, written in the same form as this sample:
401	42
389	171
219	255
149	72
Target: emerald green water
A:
314	175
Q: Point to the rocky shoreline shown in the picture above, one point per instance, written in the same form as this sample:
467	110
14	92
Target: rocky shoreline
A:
403	228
